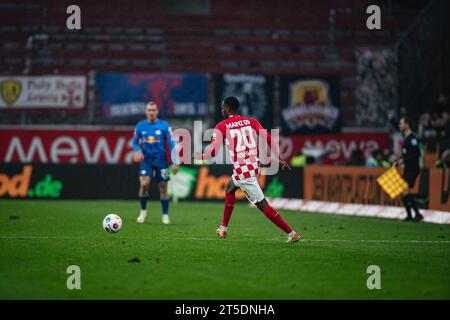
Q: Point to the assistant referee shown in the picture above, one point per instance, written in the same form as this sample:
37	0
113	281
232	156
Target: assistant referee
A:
410	158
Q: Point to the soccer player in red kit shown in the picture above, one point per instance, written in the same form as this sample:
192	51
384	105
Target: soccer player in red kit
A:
240	134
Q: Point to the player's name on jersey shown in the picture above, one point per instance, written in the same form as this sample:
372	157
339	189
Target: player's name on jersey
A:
239	123
245	154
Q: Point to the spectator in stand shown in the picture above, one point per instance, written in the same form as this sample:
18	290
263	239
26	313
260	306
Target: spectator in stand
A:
446	116
443	102
440	117
357	159
377	160
299	160
425	130
444	160
373	160
435	125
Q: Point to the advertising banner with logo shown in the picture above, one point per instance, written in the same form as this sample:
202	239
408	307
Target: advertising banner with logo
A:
103	145
255	94
79	145
208	183
359	185
349	185
43	92
340	146
176	94
78	181
50	181
440	189
310	105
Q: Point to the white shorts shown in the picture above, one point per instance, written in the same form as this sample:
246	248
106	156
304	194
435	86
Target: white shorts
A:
251	189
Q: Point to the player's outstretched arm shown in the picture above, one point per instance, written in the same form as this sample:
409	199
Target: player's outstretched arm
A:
275	151
214	146
210	153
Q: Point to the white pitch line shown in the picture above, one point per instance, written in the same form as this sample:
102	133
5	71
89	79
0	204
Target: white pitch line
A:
231	240
375	241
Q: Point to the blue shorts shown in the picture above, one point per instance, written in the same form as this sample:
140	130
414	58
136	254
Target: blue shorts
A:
158	169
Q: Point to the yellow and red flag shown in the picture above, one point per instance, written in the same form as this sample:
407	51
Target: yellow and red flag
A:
392	183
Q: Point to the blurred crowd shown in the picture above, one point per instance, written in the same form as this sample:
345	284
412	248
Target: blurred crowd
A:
377	158
436	123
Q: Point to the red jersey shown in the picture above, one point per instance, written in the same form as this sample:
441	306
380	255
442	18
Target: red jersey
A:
241	142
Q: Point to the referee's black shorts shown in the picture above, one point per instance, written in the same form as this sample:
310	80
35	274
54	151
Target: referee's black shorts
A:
410	176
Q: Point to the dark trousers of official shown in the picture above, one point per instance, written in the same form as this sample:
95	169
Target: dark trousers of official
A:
409	200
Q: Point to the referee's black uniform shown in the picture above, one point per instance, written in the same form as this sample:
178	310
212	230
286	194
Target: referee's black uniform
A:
411	160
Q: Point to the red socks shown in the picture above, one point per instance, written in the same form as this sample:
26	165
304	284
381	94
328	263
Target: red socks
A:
230	201
269	212
273	216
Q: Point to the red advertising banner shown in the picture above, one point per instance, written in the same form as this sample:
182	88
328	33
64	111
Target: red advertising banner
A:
340	146
78	145
113	146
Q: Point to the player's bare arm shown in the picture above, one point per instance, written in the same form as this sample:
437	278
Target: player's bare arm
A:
213	147
275	152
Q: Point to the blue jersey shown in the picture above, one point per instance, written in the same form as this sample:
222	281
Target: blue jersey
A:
154	138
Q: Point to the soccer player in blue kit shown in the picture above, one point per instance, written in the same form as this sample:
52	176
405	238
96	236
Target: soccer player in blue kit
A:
154	135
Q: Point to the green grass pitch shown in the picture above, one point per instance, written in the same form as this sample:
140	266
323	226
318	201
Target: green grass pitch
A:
186	260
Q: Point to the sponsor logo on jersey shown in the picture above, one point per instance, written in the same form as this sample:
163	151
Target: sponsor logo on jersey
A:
151	139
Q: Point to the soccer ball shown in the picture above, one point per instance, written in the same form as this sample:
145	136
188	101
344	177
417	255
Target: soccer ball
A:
112	223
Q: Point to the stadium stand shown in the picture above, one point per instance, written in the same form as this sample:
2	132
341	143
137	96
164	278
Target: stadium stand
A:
148	37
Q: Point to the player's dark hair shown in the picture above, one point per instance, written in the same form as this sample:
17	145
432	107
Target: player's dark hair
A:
232	103
407	120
